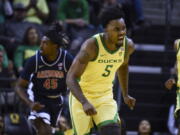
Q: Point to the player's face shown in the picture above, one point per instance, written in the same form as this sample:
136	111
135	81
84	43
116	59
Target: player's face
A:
116	30
144	127
20	14
47	47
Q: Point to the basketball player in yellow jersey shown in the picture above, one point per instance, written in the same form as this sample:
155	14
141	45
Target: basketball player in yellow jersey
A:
91	99
175	73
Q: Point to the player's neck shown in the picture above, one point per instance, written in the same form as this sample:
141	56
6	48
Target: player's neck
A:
53	56
109	44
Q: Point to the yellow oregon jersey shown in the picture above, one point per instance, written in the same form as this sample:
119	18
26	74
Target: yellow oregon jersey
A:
68	132
178	63
178	82
97	79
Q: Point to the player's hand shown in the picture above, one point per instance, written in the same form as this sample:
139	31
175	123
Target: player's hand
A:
89	109
36	106
169	83
130	101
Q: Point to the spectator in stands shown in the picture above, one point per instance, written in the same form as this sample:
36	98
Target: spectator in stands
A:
53	10
138	12
6	10
144	127
5	58
12	31
63	127
30	44
37	10
2	16
75	14
94	9
5	73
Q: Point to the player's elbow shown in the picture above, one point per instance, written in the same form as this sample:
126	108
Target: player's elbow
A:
18	90
69	79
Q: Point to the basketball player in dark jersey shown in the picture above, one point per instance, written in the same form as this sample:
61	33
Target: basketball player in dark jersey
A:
44	78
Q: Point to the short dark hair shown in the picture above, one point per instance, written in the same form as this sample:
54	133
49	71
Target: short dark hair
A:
110	13
57	34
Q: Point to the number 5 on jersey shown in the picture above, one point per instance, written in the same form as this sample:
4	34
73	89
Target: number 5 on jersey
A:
107	70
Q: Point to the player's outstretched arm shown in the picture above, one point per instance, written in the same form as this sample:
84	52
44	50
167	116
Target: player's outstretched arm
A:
123	76
87	53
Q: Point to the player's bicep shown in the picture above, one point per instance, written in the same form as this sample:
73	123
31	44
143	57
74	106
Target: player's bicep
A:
130	50
79	64
28	69
86	54
176	44
22	83
131	47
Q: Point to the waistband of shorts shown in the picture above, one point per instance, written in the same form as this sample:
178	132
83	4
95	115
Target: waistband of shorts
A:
56	96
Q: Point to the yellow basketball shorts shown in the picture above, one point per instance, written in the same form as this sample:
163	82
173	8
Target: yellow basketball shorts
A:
106	108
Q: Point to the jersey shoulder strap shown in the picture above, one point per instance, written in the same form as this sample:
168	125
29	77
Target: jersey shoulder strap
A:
37	57
178	45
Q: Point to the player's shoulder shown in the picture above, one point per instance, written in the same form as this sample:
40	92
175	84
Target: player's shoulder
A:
90	47
130	45
32	59
176	44
30	66
68	55
89	44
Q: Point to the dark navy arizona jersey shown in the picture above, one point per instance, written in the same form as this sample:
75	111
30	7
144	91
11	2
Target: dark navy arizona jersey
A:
47	79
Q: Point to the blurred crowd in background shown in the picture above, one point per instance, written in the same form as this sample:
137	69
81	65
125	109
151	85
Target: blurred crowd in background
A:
22	24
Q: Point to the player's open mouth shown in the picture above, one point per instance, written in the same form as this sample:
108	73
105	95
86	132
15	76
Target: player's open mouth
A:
121	38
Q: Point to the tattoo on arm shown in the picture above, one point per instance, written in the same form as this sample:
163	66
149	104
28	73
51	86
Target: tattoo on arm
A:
83	57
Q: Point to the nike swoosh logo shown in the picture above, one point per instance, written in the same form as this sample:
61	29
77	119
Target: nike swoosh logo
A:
41	66
102	55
